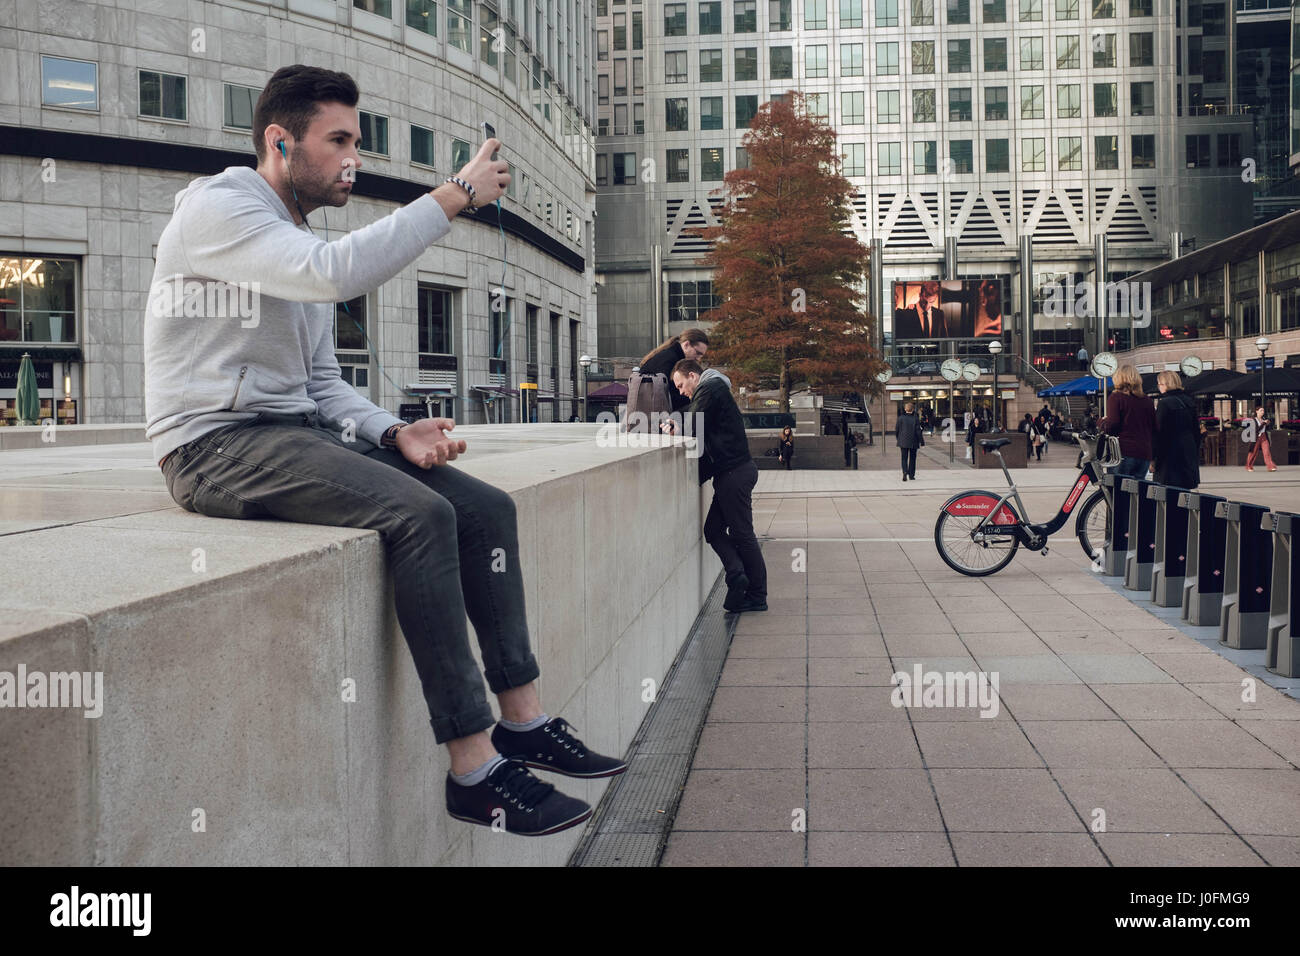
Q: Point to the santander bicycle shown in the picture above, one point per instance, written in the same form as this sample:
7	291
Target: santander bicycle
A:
978	532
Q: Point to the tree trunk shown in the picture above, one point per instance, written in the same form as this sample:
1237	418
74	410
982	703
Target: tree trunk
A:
784	397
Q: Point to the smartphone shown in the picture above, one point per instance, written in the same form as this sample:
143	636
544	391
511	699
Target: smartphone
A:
490	133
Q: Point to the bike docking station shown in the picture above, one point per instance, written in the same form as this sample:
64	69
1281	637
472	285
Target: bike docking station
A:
1169	567
1203	583
1117	547
1282	654
1141	534
1248	574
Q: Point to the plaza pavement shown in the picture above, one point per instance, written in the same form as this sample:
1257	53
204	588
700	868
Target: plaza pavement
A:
1119	740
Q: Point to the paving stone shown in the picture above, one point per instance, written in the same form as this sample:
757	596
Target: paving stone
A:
1115	669
1028	669
752	704
1252	801
843	624
846	645
1217	743
768	646
740	800
1280	736
871	800
733	746
763	672
869	745
1054	702
686	848
1155	701
1268	703
1026	849
850	672
1187	668
1177	849
975	743
1013	801
1085	744
1277	850
852	704
1152	800
878	849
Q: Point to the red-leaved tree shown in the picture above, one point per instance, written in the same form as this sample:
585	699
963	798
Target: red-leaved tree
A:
787	268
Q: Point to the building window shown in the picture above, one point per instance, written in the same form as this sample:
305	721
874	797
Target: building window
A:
923	107
744	16
995	11
602	89
850	59
460	153
1142	99
1141	49
620	32
1032	101
687	301
422	15
1069	151
853	108
460	19
742	158
380	8
1214	65
638	76
625	169
711	112
675	19
710	66
1194	56
1031	11
995	103
1103	9
675	67
679	165
922	56
602	44
678	114
163	95
886	59
638	119
38	299
819	105
436	320
1105	99
1103	50
421	146
887	108
779	15
374	134
1141	8
959	104
746	63
962	156
995	54
73	84
711	18
1068	105
1031	53
890	157
959	56
238	103
1067	52
814	14
850	14
814	63
620	77
1033	155
782	65
746	110
1230	149
886	13
997	156
922	13
855	159
1067	9
620	119
602	169
638	30
958	11
925	157
1198	151
1106	149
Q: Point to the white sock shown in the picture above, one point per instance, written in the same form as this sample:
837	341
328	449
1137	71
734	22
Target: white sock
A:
526	725
475	777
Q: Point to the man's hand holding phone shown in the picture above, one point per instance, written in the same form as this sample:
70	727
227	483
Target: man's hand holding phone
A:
424	442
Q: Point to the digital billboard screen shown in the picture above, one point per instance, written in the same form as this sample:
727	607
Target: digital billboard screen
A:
953	309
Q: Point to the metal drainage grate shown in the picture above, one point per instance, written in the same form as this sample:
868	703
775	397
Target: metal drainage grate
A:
632	822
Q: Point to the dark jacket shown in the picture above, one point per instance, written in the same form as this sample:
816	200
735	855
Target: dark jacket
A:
907	433
664	362
1177	442
725	444
1131	419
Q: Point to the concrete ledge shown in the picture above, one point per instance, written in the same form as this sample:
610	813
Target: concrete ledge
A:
223	684
30	436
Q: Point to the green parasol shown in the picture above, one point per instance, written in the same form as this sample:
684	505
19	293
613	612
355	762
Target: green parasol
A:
29	399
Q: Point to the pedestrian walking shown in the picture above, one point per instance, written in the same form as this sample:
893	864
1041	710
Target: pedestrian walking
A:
1260	424
1082	356
1177	448
909	437
1132	419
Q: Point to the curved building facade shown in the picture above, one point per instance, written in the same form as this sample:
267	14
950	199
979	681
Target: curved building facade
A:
108	109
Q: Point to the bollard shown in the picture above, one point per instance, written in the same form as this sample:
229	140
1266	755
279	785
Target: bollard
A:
1203	584
1170	565
1117	546
1247	576
1282	654
1141	534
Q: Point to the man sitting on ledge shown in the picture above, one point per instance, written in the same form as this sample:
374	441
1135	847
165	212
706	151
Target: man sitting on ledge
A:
250	418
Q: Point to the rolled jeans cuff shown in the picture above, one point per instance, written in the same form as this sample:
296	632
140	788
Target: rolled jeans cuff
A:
462	725
512	675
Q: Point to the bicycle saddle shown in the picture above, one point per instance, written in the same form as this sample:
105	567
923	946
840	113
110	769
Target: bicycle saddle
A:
989	444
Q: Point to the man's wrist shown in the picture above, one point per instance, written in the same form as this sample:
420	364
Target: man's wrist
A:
389	438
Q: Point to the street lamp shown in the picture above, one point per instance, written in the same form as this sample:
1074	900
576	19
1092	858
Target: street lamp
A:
1262	343
995	349
585	362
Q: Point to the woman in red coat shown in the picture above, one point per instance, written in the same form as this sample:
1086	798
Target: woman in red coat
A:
1130	417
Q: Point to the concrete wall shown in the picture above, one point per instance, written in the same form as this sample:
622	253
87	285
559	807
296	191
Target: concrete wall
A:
223	687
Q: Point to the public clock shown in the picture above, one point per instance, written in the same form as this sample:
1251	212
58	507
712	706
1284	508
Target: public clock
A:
951	369
884	375
1104	365
1191	366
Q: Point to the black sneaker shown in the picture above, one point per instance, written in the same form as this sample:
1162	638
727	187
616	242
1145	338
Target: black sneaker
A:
531	807
552	747
736	592
752	604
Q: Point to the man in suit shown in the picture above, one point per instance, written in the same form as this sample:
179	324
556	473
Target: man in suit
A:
924	320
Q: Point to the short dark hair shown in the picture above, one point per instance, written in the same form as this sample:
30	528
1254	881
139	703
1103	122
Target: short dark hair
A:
688	367
292	97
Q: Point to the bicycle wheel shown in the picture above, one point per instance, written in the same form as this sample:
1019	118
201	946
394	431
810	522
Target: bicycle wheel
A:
954	534
1093	525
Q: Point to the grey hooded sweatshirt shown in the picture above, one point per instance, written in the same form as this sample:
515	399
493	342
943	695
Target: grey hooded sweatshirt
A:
241	309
